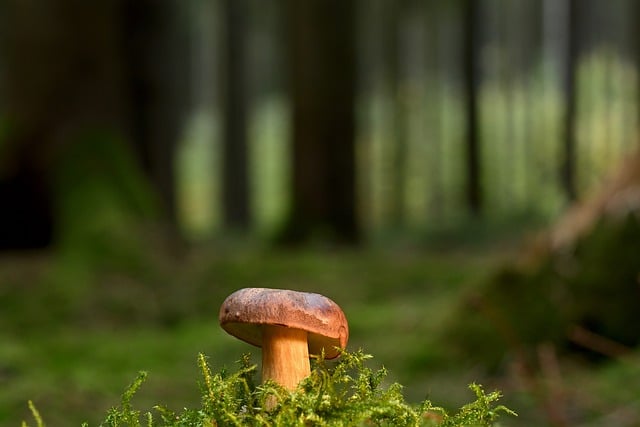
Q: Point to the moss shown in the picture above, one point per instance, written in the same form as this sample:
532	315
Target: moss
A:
346	393
594	286
606	281
102	201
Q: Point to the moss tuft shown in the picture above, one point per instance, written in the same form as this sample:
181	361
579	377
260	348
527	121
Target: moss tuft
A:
346	393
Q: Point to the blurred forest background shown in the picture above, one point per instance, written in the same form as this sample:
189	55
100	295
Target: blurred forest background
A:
462	177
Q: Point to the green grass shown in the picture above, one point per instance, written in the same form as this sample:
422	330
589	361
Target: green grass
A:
71	347
74	335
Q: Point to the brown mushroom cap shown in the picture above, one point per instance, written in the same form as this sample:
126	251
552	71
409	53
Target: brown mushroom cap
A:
244	313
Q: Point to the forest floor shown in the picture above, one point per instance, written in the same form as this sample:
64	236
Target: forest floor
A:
73	337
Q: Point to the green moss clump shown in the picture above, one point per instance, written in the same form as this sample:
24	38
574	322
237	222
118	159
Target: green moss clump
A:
347	393
591	286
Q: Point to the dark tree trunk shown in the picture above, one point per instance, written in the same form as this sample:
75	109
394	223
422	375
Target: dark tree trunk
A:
61	77
470	58
568	170
235	179
156	54
323	78
26	219
73	68
636	44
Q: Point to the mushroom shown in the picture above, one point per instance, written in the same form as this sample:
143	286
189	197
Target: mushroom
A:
289	326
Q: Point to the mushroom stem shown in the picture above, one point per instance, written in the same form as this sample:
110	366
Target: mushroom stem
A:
285	355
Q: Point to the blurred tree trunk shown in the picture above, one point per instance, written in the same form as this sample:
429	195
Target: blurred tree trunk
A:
636	44
60	76
523	54
26	217
235	179
323	79
470	63
397	104
75	67
434	75
156	60
570	83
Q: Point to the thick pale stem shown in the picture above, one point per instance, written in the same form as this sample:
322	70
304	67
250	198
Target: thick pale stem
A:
285	355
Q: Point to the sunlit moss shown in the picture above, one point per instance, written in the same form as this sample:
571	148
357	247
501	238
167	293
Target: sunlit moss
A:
346	393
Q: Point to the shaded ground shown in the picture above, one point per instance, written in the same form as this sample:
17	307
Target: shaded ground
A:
73	338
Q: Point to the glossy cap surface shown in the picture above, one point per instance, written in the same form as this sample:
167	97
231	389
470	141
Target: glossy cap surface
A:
244	313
